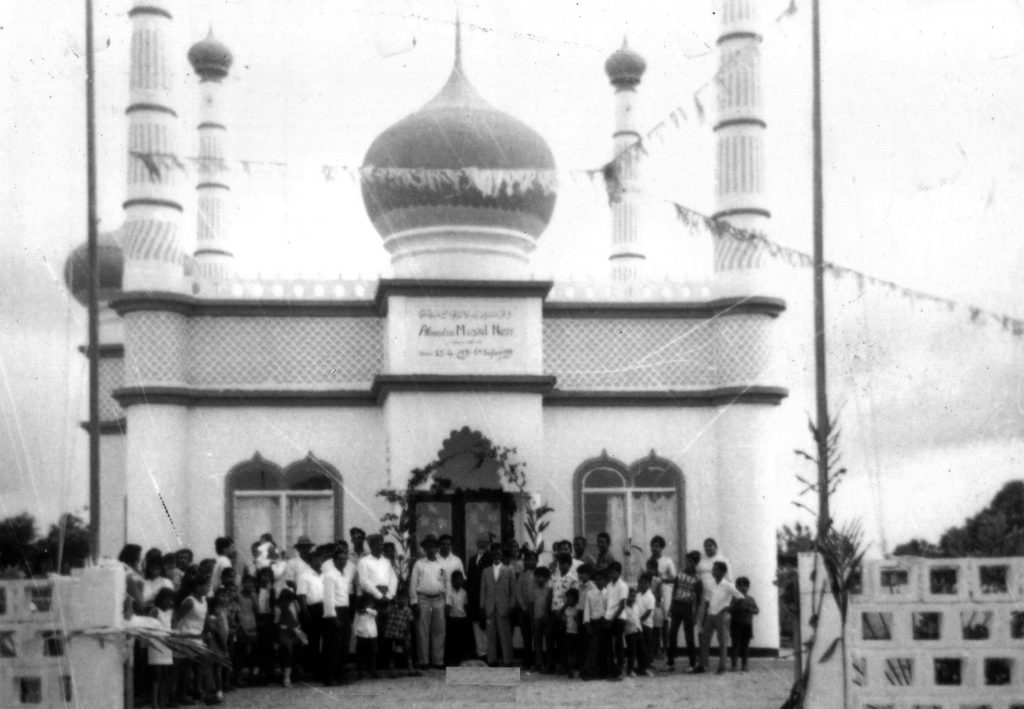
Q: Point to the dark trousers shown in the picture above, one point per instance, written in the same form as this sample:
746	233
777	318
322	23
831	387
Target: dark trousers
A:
336	637
682	614
312	661
539	630
614	647
366	655
650	646
596	664
459	643
573	652
265	646
741	634
636	653
523	620
555	636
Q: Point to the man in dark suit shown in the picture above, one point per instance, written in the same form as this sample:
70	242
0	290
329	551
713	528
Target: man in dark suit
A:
476	564
497	598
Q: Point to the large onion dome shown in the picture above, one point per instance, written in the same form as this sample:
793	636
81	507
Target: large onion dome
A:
210	58
625	66
110	259
458	178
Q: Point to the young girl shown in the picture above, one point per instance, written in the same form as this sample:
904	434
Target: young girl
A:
365	628
655	646
190	619
265	602
245	635
161	659
572	618
290	638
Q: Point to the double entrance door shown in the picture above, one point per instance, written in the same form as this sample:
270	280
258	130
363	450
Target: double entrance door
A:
466	515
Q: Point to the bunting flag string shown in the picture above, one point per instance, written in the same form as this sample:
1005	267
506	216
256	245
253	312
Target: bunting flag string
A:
796	258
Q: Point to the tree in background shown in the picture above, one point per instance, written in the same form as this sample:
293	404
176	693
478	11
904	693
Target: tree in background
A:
998	530
24	553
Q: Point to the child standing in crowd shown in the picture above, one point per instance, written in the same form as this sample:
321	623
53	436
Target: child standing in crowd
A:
215	635
571	618
398	632
459	631
540	602
715	618
687	590
291	638
593	620
190	619
266	602
616	593
645	607
741	626
245	637
161	659
562	580
365	628
635	657
524	604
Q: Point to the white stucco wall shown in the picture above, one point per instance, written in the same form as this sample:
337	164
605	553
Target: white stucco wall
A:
683	436
156	483
350	439
112	494
418	423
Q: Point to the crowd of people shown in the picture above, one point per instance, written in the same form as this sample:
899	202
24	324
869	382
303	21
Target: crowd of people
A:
288	616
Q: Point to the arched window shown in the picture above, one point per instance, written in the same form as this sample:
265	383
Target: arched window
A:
302	499
632	505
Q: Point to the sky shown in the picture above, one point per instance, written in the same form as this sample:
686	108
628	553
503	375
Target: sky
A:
923	175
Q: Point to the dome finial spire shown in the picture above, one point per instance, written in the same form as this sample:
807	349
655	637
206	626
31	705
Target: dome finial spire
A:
458	35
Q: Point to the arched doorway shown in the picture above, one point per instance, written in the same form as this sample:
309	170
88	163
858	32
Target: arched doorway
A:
465	498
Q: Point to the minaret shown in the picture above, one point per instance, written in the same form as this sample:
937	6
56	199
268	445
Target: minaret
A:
154	260
625	68
211	61
740	194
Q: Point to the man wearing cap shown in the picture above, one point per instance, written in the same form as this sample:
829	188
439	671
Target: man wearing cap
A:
428	590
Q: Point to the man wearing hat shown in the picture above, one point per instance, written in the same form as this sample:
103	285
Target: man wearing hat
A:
428	590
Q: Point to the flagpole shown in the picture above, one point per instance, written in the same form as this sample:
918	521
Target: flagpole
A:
93	292
824	516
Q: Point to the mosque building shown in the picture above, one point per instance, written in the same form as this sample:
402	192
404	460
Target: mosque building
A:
238	406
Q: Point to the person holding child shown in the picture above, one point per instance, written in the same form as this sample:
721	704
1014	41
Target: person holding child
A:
365	629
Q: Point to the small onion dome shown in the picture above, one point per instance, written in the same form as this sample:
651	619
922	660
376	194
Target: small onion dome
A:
210	58
458	130
110	260
625	66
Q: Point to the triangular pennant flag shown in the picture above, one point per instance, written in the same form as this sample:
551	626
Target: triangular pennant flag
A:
150	163
328	171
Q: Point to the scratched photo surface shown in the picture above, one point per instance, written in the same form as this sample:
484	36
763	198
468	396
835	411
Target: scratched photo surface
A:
923	177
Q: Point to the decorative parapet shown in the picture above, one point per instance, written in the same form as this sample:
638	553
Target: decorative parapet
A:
936	633
283	288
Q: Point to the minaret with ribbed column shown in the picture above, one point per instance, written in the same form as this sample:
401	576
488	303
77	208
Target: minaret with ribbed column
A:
154	259
211	60
740	192
625	68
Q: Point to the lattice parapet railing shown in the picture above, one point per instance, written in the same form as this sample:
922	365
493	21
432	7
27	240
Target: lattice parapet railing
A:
942	633
40	664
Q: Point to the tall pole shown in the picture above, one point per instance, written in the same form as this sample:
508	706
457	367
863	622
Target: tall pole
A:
94	317
824	517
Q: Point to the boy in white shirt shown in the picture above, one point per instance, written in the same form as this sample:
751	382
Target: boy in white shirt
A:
645	607
715	616
616	593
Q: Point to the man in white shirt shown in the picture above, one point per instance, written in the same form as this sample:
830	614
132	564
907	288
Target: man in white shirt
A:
707	562
377	579
716	616
428	591
309	590
337	574
451	562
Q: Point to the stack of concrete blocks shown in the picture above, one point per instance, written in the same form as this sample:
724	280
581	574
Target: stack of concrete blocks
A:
45	659
921	634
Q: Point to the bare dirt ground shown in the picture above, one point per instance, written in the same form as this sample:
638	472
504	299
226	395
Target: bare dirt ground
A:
765	686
